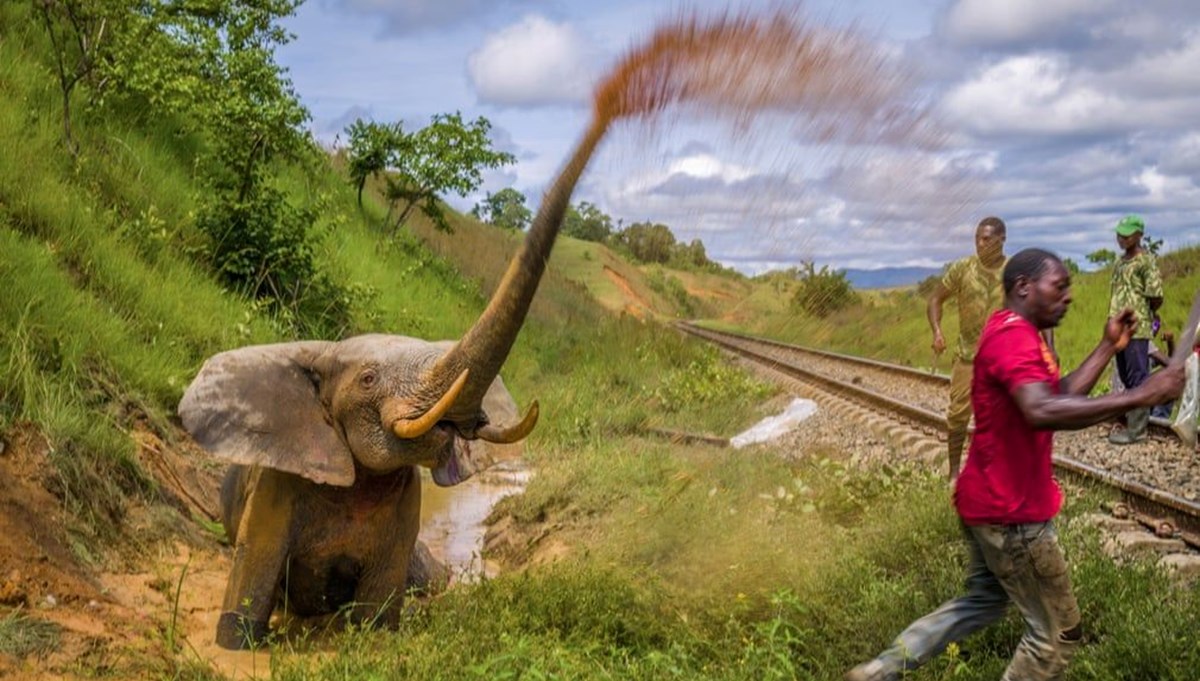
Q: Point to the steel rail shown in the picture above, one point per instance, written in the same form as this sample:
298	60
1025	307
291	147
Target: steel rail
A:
1153	506
1159	426
908	372
923	418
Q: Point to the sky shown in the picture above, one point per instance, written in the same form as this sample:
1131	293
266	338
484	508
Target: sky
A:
1061	116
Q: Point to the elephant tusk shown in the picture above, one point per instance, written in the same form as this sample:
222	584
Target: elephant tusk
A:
511	434
408	429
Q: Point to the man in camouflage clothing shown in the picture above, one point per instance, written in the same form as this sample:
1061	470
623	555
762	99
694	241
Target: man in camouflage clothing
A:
975	283
1137	285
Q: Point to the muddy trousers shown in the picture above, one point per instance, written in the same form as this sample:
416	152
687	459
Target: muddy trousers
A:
958	415
1019	564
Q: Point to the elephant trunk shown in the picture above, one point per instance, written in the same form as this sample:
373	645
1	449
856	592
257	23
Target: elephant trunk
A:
486	345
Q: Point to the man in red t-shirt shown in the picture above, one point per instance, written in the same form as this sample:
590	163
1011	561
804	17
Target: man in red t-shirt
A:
1006	495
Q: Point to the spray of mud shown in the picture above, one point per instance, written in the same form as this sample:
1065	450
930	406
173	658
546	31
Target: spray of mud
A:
737	66
813	123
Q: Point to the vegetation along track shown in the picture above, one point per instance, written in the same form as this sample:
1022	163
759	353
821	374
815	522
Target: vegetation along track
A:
1159	478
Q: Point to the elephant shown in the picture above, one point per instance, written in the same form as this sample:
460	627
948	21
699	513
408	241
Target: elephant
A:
322	503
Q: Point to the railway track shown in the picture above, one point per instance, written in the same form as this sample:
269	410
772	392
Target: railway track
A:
918	399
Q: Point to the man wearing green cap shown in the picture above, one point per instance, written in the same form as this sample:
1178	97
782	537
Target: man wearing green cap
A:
1137	285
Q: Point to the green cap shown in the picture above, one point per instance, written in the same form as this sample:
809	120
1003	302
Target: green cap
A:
1130	225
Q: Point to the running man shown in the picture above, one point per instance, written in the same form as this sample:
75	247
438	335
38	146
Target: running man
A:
974	282
1007	496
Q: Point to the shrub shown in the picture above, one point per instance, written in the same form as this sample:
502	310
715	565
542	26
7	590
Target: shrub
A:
671	288
264	246
823	292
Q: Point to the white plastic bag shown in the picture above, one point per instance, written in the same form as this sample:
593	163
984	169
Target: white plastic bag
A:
775	426
1184	424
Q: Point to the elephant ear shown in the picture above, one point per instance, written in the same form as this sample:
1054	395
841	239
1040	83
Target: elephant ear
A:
259	406
472	456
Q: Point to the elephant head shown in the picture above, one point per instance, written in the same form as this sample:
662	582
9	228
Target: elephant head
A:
330	411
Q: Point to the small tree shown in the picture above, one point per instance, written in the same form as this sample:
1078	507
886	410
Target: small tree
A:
823	292
1102	258
648	242
691	255
1153	246
79	32
1072	266
506	208
586	221
448	155
373	147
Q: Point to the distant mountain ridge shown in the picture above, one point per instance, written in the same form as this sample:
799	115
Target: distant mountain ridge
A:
888	277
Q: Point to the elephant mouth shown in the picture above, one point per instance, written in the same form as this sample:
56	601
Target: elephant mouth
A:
460	460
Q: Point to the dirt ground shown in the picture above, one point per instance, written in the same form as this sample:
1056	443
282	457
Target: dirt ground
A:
138	612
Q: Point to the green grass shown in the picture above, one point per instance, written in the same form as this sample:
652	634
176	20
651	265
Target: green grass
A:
22	635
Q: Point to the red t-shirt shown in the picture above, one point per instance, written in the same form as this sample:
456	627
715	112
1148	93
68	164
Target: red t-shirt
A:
1008	478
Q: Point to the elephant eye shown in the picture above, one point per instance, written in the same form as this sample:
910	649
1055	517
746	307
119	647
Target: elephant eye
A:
368	379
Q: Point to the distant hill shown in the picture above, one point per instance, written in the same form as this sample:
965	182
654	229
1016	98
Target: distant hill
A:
888	277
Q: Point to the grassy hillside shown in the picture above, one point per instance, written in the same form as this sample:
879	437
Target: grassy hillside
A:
645	291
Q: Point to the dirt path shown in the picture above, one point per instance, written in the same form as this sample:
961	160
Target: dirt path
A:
635	304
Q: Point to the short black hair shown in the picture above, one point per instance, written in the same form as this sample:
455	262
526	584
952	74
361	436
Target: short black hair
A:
994	222
1030	263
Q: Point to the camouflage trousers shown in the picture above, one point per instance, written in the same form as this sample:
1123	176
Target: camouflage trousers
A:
958	415
1021	564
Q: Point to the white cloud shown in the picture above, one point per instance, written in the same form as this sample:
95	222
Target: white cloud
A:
532	63
999	22
1171	72
709	166
1163	189
1035	94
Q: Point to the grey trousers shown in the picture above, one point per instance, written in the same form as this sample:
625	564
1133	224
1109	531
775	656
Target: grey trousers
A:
1021	564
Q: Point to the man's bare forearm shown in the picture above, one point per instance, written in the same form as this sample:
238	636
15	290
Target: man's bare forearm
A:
1083	379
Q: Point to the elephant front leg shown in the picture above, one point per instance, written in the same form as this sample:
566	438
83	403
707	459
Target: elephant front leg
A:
379	597
259	554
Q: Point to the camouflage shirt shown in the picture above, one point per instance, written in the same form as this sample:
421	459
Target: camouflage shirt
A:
979	292
1133	281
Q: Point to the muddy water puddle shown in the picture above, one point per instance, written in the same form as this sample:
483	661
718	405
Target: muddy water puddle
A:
452	517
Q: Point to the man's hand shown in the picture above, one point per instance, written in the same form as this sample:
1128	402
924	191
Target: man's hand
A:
1162	386
1119	329
939	343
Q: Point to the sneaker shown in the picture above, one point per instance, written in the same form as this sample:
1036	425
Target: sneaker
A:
869	671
